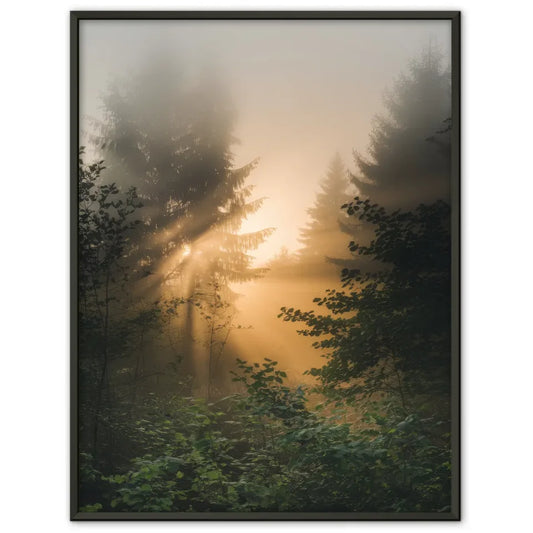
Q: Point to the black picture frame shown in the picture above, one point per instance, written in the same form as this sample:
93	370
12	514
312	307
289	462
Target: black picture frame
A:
455	17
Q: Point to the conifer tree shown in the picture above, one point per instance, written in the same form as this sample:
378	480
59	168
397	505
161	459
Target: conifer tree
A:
324	235
409	152
171	137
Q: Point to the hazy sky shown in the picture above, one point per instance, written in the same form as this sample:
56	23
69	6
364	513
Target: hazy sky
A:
303	90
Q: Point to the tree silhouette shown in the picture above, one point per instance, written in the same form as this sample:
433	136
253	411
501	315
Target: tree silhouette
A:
172	136
107	219
390	327
324	235
409	152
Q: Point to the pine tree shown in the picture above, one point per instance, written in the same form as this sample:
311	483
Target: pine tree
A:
171	137
324	235
409	153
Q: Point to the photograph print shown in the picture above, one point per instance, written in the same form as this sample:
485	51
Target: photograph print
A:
265	268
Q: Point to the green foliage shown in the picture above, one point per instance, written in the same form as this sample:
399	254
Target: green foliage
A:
389	327
105	226
266	450
268	396
106	223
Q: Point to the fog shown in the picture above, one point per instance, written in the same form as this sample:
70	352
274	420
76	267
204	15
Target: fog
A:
292	94
303	90
264	274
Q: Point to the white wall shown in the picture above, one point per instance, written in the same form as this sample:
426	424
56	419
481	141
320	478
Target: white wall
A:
497	192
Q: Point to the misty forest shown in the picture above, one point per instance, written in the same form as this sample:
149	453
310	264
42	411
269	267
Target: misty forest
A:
232	358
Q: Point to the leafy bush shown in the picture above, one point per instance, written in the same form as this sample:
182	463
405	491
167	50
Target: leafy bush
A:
265	450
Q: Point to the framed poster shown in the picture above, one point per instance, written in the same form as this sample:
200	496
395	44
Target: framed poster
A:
265	265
